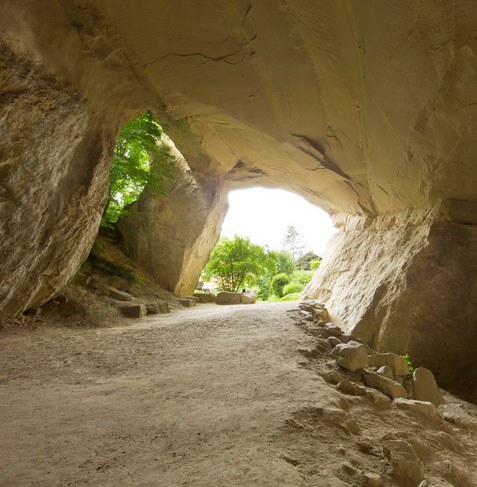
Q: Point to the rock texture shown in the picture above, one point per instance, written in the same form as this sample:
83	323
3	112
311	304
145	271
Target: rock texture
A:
172	236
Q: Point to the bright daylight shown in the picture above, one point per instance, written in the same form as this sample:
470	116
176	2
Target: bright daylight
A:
271	243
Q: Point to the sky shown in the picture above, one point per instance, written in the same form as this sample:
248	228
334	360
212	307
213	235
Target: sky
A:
264	214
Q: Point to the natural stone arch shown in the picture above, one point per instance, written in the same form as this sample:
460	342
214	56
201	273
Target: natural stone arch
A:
367	109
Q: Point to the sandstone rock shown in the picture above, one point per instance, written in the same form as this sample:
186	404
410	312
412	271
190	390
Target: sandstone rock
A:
119	295
346	338
425	387
393	360
454	474
118	283
456	415
187	302
206	297
157	308
373	480
386	372
407	468
332	330
422	407
379	399
389	387
134	310
349	387
333	341
247	299
351	356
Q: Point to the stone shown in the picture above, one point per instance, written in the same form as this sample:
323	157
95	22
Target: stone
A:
421	407
345	338
408	470
118	283
187	302
333	341
373	480
379	399
349	387
229	298
332	330
425	387
157	308
391	388
247	299
386	371
119	295
351	356
206	297
455	414
134	310
393	360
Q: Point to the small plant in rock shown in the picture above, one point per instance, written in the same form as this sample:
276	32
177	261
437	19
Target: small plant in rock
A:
408	362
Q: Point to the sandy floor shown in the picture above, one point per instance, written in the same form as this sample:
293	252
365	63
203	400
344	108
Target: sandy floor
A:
211	396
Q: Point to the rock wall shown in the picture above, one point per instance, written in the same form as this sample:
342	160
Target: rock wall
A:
54	161
172	235
405	282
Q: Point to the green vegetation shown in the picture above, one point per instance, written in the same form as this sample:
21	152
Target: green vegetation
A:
314	264
278	282
140	159
292	287
237	263
408	362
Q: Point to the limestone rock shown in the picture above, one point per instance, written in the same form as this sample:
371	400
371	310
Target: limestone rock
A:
351	356
229	298
379	399
333	341
425	387
387	386
187	302
134	310
393	360
373	480
407	468
454	413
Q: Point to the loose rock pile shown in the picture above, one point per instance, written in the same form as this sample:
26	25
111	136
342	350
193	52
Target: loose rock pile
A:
385	380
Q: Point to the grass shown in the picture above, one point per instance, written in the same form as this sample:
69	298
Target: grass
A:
288	297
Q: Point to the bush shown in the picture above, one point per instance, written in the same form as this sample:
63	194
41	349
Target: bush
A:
293	287
302	277
314	264
277	284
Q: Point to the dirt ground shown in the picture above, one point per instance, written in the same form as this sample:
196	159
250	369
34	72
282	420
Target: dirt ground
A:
210	396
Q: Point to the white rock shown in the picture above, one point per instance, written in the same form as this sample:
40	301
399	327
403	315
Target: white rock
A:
351	356
425	387
386	371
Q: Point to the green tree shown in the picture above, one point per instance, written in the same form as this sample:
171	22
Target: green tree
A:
293	242
285	263
277	284
236	263
139	145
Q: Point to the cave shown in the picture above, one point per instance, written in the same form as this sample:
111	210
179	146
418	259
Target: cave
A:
367	109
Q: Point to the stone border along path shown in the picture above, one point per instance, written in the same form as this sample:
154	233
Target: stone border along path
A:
215	396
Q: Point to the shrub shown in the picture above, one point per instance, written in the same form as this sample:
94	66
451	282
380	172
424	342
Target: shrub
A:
314	264
293	287
302	277
277	284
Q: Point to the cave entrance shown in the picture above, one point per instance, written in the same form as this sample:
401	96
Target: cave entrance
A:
271	242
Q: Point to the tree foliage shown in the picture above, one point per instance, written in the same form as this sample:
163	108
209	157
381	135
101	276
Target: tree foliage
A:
236	263
278	282
140	159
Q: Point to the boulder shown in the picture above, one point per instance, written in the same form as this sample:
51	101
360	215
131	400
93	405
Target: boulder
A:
187	302
206	297
225	297
422	407
118	295
247	299
351	356
386	371
408	470
332	330
134	310
393	360
157	308
425	387
333	341
373	480
379	399
387	386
